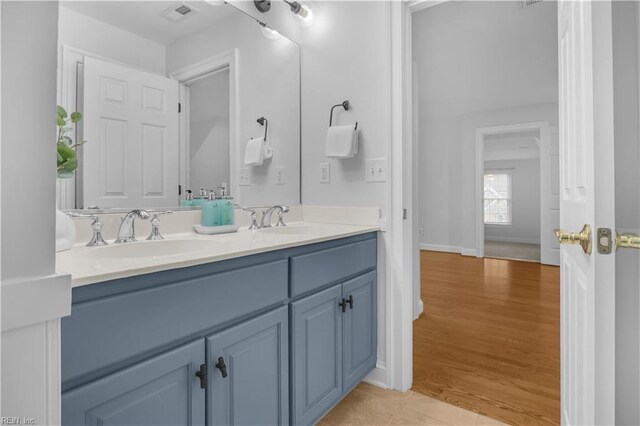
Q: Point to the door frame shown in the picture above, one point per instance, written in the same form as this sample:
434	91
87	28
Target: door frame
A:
225	60
543	131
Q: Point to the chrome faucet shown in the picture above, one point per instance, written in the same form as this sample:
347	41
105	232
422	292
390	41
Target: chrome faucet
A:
266	216
127	231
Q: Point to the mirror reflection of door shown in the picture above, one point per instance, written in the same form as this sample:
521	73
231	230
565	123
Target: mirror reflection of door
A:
208	131
131	119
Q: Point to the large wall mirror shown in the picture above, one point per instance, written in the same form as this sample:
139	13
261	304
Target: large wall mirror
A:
177	97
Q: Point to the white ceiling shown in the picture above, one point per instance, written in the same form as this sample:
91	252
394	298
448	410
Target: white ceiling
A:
485	55
143	17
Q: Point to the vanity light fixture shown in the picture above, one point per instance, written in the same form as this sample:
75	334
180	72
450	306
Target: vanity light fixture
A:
263	6
268	32
301	11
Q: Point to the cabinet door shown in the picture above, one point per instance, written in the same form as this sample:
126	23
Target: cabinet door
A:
160	391
316	353
360	330
248	369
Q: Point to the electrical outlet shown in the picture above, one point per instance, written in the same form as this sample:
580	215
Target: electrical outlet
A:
244	177
376	169
325	173
280	175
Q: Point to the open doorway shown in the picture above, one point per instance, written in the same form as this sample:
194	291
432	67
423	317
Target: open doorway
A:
487	87
517	182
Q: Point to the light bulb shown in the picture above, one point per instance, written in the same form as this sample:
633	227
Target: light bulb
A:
269	32
305	14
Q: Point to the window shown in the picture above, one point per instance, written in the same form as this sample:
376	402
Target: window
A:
497	197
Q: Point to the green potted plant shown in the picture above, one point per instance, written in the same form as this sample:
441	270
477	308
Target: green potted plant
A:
65	148
67	165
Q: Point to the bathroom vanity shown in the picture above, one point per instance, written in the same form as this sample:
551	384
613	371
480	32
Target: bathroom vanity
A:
274	337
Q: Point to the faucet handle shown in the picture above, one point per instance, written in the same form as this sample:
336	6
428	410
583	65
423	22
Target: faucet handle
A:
96	239
281	213
96	227
155	225
254	218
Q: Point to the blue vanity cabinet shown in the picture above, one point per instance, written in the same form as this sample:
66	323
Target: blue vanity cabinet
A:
316	355
162	390
273	338
248	372
359	329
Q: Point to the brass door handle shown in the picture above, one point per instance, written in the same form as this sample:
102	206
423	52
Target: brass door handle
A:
627	241
583	238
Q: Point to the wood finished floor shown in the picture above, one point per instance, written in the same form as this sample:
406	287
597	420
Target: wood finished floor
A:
489	338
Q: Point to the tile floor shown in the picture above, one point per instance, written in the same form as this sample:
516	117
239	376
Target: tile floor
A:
370	405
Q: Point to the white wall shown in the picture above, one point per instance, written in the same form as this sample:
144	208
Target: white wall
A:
447	174
345	55
627	156
479	64
525	216
29	348
209	131
269	86
91	35
29	32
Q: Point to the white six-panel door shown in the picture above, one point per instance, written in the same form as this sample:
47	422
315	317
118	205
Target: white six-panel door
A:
131	128
586	197
549	195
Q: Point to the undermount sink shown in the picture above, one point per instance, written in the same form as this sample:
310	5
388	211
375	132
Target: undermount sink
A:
152	249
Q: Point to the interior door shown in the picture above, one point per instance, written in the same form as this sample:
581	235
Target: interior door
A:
131	127
586	197
549	195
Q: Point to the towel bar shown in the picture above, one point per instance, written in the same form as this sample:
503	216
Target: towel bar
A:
346	105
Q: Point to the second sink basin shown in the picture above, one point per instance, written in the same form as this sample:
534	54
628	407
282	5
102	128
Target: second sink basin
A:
152	249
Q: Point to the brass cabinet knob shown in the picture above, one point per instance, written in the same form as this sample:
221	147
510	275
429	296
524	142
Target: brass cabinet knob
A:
627	241
583	238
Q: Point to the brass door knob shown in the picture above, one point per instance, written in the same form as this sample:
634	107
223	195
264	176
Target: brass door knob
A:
627	241
583	238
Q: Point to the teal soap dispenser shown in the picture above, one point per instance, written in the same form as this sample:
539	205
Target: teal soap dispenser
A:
188	201
211	211
228	214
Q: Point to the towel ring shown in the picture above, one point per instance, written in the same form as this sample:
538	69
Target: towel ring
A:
346	105
264	122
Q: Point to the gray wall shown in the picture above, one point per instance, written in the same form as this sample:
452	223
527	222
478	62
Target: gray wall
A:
627	155
525	194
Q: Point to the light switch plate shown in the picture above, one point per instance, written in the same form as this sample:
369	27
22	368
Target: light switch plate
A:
244	177
280	175
376	170
325	173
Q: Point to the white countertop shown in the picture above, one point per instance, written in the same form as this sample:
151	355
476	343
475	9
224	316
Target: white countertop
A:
89	265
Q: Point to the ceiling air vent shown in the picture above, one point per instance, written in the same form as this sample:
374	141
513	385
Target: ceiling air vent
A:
178	12
528	3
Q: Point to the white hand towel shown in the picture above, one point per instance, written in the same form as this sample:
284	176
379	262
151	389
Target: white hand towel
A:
254	152
342	141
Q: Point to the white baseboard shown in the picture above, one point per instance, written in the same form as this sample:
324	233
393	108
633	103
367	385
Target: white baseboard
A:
378	377
419	309
469	252
512	240
448	249
439	247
